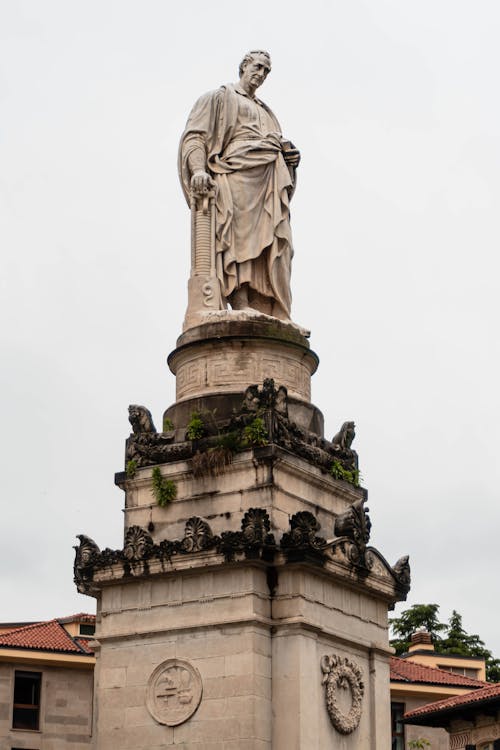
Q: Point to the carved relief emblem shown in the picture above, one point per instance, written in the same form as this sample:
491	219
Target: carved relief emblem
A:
341	675
174	692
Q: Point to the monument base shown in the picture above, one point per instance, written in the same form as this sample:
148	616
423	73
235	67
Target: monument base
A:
245	609
228	355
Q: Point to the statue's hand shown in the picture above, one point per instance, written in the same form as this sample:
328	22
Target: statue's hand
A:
201	182
292	157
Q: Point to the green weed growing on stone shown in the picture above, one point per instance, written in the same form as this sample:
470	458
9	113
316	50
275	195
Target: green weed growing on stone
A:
164	490
340	472
255	433
131	468
196	427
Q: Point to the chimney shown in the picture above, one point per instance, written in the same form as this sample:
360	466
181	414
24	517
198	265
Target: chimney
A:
421	641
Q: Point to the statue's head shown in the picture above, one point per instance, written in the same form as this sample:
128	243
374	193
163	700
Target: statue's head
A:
255	66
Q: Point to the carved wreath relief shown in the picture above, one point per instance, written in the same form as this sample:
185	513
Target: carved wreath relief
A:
341	674
174	692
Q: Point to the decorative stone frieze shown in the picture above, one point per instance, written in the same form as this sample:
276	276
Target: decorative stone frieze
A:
197	536
146	447
340	673
253	541
303	533
225	356
174	692
138	544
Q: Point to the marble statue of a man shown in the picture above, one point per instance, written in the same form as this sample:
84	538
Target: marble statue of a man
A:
232	140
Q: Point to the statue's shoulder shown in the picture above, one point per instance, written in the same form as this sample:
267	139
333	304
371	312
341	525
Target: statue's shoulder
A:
214	94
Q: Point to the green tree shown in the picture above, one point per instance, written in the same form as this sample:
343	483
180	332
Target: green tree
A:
417	617
448	638
458	641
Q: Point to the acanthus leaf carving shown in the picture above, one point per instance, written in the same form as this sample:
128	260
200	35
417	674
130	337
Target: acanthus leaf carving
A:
303	533
253	540
138	544
352	529
197	535
255	526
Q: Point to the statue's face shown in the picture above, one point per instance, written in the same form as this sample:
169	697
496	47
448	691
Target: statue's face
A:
255	72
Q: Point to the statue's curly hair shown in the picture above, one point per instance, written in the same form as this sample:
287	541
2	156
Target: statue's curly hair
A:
249	56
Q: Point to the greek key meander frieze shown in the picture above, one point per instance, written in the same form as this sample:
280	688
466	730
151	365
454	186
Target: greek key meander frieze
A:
174	692
232	370
190	376
341	674
195	376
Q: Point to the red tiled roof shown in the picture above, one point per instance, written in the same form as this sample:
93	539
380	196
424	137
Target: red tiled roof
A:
404	670
475	696
84	643
80	617
41	636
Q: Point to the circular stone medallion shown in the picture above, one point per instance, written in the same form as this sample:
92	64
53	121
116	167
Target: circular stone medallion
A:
174	692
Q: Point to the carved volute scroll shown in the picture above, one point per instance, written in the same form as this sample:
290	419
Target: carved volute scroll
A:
339	673
402	572
86	555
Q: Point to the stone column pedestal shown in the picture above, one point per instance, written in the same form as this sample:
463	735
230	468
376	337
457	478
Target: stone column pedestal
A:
246	610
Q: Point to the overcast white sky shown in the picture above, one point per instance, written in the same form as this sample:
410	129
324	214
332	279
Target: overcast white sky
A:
395	108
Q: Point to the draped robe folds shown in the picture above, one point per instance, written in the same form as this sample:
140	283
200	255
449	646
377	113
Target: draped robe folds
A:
253	238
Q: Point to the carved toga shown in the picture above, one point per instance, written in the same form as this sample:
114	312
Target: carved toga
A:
232	151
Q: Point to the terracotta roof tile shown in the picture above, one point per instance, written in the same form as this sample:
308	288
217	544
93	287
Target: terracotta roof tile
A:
80	617
41	636
475	696
84	643
404	670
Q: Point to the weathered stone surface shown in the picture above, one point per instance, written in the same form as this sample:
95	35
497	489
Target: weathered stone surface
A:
246	609
228	356
238	175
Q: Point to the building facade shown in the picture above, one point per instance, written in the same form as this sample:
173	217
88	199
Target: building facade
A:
46	684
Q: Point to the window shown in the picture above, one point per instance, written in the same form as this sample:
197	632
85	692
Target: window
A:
397	727
87	629
26	714
466	671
